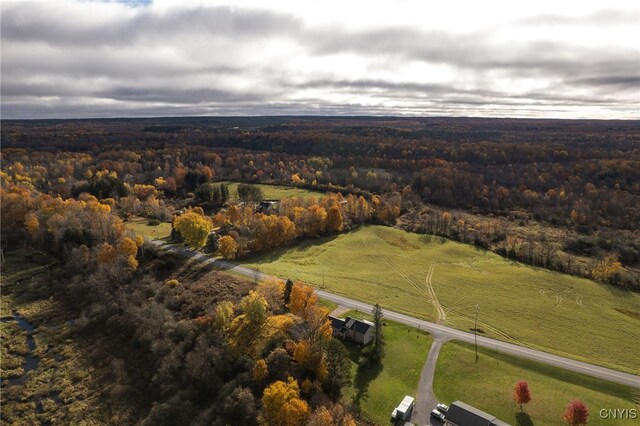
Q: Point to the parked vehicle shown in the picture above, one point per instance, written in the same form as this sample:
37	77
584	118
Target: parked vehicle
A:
442	408
437	414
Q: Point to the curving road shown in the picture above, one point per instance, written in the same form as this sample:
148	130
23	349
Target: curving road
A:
440	332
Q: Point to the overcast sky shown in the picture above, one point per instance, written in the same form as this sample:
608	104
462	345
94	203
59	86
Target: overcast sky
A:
564	59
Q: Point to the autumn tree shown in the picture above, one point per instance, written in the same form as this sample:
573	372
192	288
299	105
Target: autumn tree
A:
335	415
605	268
334	222
521	393
272	290
260	371
301	297
282	406
246	327
223	316
576	413
227	247
194	228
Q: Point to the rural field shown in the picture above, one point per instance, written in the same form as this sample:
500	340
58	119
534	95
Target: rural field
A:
140	225
489	385
275	192
378	391
442	280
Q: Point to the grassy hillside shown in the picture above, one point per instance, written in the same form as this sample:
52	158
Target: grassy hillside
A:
442	280
276	192
489	385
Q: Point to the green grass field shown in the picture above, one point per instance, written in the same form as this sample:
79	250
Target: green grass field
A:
140	225
379	391
489	385
443	280
276	192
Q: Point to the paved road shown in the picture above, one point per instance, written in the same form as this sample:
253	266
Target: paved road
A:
425	399
438	331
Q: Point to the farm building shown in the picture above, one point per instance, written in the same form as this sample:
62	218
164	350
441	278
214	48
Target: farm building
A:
461	414
361	331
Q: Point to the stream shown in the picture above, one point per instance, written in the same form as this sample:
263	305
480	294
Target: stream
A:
30	361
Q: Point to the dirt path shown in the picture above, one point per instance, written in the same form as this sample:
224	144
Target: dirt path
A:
337	312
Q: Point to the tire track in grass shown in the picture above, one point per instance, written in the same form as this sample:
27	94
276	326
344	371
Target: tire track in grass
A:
429	293
442	316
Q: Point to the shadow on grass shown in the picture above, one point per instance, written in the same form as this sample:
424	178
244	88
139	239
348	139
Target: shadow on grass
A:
593	383
361	383
298	245
364	375
523	419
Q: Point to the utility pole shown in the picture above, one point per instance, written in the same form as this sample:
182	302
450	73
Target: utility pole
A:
475	332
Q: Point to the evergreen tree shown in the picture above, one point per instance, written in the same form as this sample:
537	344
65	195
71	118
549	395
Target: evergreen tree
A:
287	292
378	340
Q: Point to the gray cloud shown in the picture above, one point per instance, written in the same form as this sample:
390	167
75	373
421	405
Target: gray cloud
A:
67	61
33	22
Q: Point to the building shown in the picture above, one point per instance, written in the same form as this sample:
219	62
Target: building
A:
361	331
461	414
267	207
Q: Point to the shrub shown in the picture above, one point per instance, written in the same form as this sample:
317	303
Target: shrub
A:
172	283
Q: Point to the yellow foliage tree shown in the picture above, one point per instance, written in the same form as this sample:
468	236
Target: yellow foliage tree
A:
282	406
194	228
128	247
132	262
260	371
223	315
606	268
227	247
302	353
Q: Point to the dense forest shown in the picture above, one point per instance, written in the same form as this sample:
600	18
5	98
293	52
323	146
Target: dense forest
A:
564	194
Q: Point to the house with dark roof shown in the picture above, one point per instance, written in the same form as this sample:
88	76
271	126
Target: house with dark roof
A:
267	207
361	331
461	414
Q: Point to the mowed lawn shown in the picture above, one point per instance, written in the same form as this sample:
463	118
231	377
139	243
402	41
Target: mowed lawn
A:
140	225
489	384
378	391
414	274
276	192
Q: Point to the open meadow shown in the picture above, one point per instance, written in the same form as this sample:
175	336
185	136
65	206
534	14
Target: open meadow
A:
489	386
443	281
276	192
140	225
